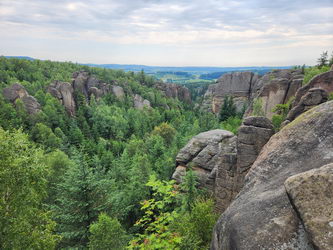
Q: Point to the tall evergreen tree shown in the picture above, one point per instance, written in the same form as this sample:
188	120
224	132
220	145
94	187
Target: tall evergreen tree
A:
228	109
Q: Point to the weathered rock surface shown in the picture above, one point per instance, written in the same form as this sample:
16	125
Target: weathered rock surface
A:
313	97
118	92
64	92
140	103
261	216
277	87
311	193
17	91
239	85
203	152
175	91
221	160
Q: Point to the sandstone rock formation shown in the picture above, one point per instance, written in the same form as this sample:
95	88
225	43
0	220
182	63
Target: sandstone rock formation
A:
118	92
273	88
203	152
221	160
312	94
261	216
310	99
277	87
240	85
140	103
64	92
175	91
17	91
311	193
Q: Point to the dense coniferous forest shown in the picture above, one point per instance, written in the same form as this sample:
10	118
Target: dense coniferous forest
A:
99	179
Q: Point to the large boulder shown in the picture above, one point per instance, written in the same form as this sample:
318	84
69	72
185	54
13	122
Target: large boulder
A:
311	193
313	97
18	92
140	103
202	153
64	92
261	216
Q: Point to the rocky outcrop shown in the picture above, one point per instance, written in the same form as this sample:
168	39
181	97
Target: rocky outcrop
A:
140	103
18	92
221	159
175	91
273	88
312	98
277	87
312	94
261	216
203	152
239	85
311	194
64	92
118	92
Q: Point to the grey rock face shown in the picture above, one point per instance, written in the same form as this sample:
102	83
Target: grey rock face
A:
203	152
64	92
311	193
277	87
118	92
140	103
239	85
17	91
311	98
261	216
175	91
221	160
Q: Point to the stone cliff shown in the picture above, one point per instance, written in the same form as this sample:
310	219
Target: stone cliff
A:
282	205
273	88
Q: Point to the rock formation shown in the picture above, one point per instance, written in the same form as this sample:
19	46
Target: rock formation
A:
311	194
277	87
64	92
312	94
140	103
261	216
203	152
273	88
221	160
175	91
240	85
17	91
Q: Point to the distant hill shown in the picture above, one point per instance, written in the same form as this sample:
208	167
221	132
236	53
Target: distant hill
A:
21	57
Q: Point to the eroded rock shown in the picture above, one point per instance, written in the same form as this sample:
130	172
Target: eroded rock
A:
64	92
311	193
261	216
17	91
140	103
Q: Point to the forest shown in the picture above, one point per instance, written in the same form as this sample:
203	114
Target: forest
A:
99	179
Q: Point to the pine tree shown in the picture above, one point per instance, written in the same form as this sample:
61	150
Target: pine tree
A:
323	59
228	109
82	196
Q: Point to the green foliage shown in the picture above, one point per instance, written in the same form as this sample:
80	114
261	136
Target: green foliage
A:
82	195
157	217
232	124
107	234
43	134
195	228
330	96
257	109
228	109
166	131
24	224
323	60
277	121
313	71
190	192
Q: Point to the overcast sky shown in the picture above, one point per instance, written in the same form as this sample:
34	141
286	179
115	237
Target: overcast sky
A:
169	33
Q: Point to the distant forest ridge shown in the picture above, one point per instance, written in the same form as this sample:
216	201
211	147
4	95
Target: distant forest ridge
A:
154	69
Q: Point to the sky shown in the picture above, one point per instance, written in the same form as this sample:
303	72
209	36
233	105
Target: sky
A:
169	33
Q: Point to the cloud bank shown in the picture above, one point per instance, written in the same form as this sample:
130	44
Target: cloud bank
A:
158	32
